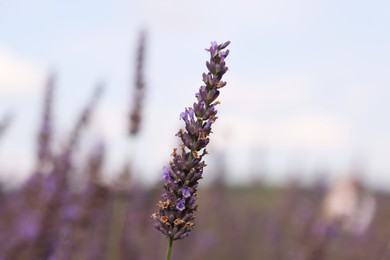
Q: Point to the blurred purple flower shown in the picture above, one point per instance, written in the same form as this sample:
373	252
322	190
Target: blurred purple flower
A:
28	225
135	114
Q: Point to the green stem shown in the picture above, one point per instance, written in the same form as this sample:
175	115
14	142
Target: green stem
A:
169	249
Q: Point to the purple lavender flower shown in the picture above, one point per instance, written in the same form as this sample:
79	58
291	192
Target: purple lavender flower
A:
175	216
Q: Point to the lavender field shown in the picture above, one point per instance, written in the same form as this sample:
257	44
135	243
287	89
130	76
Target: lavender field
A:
49	219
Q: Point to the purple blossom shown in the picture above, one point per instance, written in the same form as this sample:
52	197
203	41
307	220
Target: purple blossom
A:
184	116
164	196
180	204
165	173
188	115
186	192
28	225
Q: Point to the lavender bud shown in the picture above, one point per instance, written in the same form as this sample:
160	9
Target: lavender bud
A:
165	174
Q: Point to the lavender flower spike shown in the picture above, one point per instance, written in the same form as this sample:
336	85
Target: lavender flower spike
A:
175	216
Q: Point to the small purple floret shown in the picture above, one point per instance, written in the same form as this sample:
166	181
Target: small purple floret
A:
184	116
164	196
186	192
180	205
165	173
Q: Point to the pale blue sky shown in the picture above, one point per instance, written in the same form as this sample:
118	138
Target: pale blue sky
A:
308	85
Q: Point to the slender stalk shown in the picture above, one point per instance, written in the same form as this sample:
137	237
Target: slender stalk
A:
118	219
169	249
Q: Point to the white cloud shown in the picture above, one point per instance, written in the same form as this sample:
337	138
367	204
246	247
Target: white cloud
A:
266	95
309	131
109	122
173	14
313	130
18	74
377	151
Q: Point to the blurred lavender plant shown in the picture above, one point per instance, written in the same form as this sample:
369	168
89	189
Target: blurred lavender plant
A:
124	186
45	135
175	216
56	192
83	120
139	87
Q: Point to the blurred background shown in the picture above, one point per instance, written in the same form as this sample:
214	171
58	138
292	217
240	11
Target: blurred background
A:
307	87
90	98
